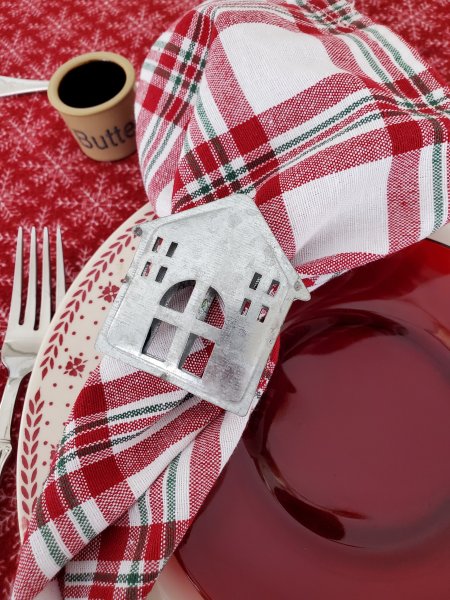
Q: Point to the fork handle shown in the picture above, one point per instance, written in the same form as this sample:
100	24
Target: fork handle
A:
5	451
7	407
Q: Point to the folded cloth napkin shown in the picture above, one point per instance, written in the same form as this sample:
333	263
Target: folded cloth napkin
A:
338	131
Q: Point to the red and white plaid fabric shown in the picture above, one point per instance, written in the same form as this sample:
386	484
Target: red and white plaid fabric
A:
339	132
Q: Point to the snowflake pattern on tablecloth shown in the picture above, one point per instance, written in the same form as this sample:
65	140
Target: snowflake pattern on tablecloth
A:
46	180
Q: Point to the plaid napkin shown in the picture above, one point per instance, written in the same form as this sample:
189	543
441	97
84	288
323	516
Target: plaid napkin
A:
338	131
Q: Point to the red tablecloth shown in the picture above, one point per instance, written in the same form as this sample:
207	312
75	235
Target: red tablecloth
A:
46	180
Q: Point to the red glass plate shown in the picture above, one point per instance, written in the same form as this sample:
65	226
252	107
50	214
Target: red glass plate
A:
340	488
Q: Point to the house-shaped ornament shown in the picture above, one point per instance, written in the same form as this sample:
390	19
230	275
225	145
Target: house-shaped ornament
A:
204	301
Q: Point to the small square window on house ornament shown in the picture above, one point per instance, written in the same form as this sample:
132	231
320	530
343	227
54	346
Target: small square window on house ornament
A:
204	301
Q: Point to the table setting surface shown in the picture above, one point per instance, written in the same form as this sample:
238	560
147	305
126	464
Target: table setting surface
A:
46	181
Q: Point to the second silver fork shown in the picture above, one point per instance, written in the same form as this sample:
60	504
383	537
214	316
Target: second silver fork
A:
23	339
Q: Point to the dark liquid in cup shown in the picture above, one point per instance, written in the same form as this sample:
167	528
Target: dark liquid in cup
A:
91	84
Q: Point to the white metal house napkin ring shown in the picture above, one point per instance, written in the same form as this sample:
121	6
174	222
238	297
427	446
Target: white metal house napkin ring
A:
225	252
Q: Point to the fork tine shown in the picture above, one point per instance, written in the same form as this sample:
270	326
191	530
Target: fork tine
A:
60	274
30	307
45	314
16	295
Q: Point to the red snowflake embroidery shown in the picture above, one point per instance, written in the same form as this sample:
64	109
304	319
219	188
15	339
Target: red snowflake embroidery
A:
75	366
109	292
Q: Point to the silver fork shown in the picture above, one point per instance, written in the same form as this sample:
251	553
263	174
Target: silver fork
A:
22	340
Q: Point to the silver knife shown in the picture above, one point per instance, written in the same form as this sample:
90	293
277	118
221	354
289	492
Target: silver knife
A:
10	86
